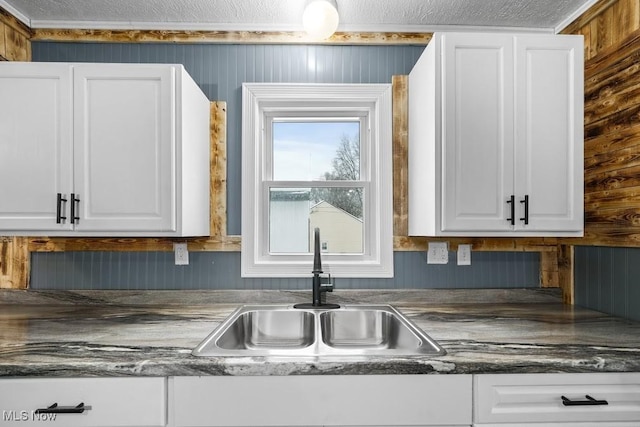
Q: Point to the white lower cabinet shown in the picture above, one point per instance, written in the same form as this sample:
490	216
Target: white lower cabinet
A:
322	400
563	400
500	400
85	402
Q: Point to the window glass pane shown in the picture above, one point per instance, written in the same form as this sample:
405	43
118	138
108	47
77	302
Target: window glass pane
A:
316	150
295	212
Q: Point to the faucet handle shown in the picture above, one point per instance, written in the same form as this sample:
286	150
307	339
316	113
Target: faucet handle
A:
326	284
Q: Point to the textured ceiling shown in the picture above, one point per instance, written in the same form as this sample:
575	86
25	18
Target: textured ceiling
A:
285	15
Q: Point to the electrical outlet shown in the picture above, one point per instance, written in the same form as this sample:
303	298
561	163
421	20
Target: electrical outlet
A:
181	253
438	253
464	254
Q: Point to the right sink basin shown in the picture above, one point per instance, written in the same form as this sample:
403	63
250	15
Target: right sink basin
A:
367	329
352	330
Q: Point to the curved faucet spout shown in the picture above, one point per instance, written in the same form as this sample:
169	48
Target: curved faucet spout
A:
317	262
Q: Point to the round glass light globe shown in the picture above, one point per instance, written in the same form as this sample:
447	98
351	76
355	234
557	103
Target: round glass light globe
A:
320	19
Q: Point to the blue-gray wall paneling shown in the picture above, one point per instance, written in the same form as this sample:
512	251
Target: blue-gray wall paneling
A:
608	280
221	270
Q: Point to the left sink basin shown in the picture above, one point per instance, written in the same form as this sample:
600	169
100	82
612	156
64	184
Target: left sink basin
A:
261	331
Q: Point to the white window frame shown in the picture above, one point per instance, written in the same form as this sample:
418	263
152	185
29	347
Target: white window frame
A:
260	102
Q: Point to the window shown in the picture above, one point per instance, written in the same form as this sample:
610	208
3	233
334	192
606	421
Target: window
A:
316	156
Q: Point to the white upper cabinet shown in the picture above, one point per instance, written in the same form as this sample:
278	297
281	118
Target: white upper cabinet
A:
124	143
130	155
496	136
549	136
36	158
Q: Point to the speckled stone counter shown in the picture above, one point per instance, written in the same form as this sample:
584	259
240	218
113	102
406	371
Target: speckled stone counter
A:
152	333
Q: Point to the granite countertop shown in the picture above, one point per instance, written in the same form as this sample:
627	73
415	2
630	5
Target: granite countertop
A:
152	333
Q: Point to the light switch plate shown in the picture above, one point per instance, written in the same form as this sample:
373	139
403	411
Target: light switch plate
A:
464	254
438	253
181	253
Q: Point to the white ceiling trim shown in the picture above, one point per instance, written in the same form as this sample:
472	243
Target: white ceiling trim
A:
575	15
199	26
160	26
195	26
15	12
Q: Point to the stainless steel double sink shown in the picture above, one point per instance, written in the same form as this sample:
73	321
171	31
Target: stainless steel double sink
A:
352	330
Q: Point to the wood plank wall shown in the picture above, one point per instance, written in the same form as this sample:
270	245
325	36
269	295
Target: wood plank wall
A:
612	122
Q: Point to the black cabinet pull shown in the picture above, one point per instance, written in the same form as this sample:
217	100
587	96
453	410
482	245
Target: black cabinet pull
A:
589	402
55	409
526	210
59	217
512	202
74	219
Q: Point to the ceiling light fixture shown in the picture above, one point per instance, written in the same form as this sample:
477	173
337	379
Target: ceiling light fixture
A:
320	18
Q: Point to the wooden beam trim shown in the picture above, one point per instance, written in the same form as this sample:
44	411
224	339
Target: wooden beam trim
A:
243	37
482	244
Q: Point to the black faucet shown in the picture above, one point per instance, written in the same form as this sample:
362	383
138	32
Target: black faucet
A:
317	284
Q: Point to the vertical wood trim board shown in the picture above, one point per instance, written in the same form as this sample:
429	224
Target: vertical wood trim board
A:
400	160
3	44
218	168
566	279
14	263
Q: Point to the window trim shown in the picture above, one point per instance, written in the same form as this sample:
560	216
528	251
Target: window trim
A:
260	100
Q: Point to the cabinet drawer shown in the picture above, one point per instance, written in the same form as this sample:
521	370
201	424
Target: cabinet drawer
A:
338	400
113	402
529	398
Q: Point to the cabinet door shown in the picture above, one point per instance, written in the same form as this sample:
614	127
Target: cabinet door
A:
35	145
320	400
124	147
549	148
544	399
83	402
477	102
